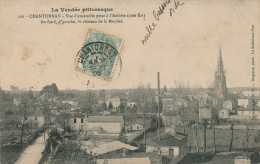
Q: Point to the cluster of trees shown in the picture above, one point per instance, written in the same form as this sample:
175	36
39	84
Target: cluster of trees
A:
66	152
16	117
50	91
144	96
69	152
90	100
24	113
61	151
139	95
65	96
102	95
5	96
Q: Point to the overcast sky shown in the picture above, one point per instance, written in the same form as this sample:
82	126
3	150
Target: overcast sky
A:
184	47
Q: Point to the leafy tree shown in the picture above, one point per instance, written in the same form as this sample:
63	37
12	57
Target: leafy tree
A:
30	94
129	109
110	106
8	115
139	106
50	91
122	107
134	108
70	153
5	96
63	117
154	106
90	100
54	89
165	89
197	140
154	121
232	136
104	106
98	108
214	122
24	113
247	137
141	93
205	123
46	109
102	95
257	137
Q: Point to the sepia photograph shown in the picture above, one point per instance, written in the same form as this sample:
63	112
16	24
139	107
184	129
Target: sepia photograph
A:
129	82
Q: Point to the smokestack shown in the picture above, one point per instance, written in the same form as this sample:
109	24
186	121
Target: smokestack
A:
124	152
159	131
173	127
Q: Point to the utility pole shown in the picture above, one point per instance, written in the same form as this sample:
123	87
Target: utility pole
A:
182	109
144	120
159	131
44	128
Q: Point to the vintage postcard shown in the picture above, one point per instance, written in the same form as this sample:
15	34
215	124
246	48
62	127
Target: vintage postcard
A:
129	81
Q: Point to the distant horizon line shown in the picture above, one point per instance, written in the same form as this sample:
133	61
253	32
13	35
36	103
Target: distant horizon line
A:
127	88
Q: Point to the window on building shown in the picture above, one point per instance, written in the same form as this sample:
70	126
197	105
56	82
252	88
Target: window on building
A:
75	120
171	152
82	120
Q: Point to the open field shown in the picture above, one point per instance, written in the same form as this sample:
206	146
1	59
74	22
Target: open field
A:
11	136
10	153
7	136
223	137
216	159
222	141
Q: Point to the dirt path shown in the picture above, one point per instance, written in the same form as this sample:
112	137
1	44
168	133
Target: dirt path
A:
33	153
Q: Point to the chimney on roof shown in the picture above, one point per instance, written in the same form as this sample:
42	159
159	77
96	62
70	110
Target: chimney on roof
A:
105	161
173	127
170	129
124	152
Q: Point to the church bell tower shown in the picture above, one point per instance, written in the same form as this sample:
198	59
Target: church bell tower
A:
220	79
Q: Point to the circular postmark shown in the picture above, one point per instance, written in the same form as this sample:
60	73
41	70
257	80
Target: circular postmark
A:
98	59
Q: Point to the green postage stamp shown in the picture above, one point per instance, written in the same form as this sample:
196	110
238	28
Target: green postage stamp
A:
99	55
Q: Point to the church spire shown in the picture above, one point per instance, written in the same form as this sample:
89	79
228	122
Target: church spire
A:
220	78
220	67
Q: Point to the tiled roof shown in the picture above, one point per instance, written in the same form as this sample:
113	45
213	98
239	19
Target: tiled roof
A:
133	123
167	139
144	160
77	115
154	157
110	147
105	118
248	109
99	129
256	97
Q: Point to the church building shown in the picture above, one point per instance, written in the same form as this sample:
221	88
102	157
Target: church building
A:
220	86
